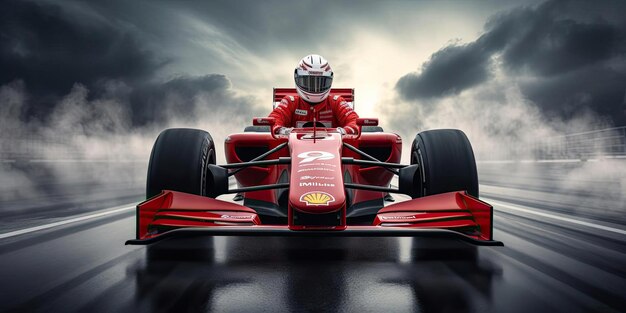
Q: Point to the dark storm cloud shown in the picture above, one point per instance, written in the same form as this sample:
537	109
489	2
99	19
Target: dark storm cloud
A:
51	48
571	61
262	28
546	41
299	26
178	97
599	89
449	71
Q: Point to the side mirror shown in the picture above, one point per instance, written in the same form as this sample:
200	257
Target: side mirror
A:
263	121
367	121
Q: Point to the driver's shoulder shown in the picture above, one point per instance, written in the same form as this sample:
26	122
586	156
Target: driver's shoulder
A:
291	99
337	99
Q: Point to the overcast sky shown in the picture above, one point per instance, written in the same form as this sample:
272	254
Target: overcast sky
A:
566	58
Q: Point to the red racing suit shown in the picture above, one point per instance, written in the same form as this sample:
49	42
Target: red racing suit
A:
332	112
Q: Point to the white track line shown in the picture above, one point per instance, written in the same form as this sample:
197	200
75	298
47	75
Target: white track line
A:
561	218
108	211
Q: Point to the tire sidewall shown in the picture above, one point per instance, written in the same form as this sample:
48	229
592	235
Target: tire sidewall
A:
446	161
179	161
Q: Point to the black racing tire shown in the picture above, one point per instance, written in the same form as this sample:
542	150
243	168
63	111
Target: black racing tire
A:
257	129
179	161
446	162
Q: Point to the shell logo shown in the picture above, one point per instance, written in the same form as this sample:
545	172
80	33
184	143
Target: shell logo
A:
317	198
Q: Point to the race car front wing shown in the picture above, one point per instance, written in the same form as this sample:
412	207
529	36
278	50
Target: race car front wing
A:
453	215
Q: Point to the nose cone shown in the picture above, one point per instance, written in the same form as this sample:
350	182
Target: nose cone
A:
316	177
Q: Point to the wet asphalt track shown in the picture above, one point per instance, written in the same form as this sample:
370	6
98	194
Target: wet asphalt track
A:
552	262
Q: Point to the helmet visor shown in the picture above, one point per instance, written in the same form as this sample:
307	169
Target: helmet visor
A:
314	84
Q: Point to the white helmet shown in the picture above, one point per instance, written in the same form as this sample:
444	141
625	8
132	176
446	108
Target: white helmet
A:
313	78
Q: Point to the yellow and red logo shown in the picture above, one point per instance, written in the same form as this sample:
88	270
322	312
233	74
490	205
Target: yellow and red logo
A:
317	198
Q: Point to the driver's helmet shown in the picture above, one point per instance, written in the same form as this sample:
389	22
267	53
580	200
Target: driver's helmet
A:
313	78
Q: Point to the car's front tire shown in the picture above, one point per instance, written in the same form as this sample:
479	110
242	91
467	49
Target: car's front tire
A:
179	161
446	163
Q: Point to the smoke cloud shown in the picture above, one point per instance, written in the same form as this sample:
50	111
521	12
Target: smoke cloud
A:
95	149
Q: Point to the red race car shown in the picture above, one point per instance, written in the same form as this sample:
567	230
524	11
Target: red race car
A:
313	182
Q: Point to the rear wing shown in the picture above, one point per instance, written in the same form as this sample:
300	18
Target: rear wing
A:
346	93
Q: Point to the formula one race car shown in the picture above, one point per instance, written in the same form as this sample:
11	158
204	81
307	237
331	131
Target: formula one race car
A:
313	182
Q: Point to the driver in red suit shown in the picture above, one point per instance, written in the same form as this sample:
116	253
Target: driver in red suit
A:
314	78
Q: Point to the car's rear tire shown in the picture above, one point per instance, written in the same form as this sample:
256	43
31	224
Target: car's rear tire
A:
446	163
179	161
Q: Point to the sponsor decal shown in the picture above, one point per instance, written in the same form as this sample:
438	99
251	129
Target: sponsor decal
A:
237	216
316	169
284	101
307	177
263	121
318	164
292	98
317	198
370	122
335	97
326	112
316	184
396	217
311	156
301	112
